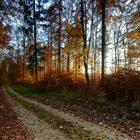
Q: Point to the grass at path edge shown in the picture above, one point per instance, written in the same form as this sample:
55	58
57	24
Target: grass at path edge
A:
73	130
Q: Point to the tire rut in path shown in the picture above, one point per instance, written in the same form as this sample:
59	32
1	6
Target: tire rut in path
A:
108	134
40	129
11	127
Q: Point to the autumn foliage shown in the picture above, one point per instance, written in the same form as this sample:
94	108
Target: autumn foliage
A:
120	87
56	81
124	85
63	47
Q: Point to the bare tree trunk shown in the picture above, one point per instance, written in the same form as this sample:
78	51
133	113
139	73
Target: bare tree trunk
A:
91	39
17	78
68	62
23	65
95	52
35	45
84	41
59	41
128	44
103	39
125	57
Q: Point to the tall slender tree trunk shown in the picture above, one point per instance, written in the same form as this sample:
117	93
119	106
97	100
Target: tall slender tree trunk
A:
35	45
17	70
68	59
51	49
23	66
84	41
115	52
59	41
125	56
116	42
103	40
68	62
128	44
95	48
91	39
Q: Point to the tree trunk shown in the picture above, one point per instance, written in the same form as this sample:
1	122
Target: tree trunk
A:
84	41
23	65
59	41
35	45
103	40
95	48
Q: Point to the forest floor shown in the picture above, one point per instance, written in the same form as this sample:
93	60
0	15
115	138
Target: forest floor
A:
43	131
11	127
18	123
121	118
109	116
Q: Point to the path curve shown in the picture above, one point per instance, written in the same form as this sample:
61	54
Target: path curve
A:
40	129
108	134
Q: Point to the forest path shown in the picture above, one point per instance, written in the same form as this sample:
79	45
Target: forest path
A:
40	129
11	127
34	123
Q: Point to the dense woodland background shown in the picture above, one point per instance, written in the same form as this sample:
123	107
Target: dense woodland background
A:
85	47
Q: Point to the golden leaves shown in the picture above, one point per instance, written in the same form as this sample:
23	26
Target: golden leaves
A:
73	31
1	46
115	19
66	49
134	34
85	51
136	15
67	27
109	3
133	55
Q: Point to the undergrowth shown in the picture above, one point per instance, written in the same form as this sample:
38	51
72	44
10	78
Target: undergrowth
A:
122	87
119	89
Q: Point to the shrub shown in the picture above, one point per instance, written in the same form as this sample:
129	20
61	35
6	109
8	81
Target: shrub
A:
55	81
122	85
136	106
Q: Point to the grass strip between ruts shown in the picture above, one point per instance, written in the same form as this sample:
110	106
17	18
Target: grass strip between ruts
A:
73	130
